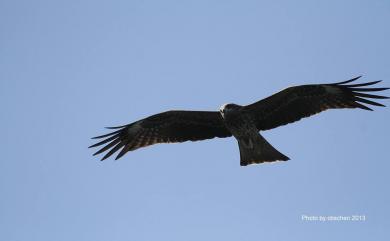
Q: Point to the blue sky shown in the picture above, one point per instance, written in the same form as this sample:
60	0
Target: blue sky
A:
69	68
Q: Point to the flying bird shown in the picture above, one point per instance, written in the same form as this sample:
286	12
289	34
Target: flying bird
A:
242	122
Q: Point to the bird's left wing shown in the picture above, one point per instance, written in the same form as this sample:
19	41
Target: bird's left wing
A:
166	127
297	102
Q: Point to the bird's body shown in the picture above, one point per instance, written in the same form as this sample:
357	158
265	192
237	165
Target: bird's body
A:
253	147
243	122
236	120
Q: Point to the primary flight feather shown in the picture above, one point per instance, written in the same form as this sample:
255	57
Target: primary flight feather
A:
243	122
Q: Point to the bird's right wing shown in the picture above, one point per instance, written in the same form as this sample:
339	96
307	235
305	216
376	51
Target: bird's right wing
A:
297	102
166	127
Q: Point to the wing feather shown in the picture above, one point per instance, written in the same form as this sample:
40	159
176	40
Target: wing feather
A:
108	146
105	141
297	102
166	127
113	150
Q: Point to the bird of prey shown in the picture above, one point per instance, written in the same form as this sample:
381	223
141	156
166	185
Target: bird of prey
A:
242	122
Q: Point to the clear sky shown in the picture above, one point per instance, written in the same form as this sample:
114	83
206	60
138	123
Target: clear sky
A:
69	68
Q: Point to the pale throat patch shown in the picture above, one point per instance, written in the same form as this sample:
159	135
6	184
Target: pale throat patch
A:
223	107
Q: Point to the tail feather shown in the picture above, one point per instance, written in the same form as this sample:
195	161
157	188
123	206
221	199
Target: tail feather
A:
256	149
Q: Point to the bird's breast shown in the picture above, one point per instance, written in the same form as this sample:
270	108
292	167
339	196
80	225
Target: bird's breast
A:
239	124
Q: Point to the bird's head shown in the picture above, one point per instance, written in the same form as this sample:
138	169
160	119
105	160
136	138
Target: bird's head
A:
228	108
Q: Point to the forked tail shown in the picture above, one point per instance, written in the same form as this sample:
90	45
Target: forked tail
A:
256	149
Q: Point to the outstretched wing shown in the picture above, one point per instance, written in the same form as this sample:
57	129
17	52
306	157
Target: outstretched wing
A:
166	127
297	102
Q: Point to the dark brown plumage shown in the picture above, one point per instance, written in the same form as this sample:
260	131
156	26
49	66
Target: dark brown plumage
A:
167	127
286	106
297	102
